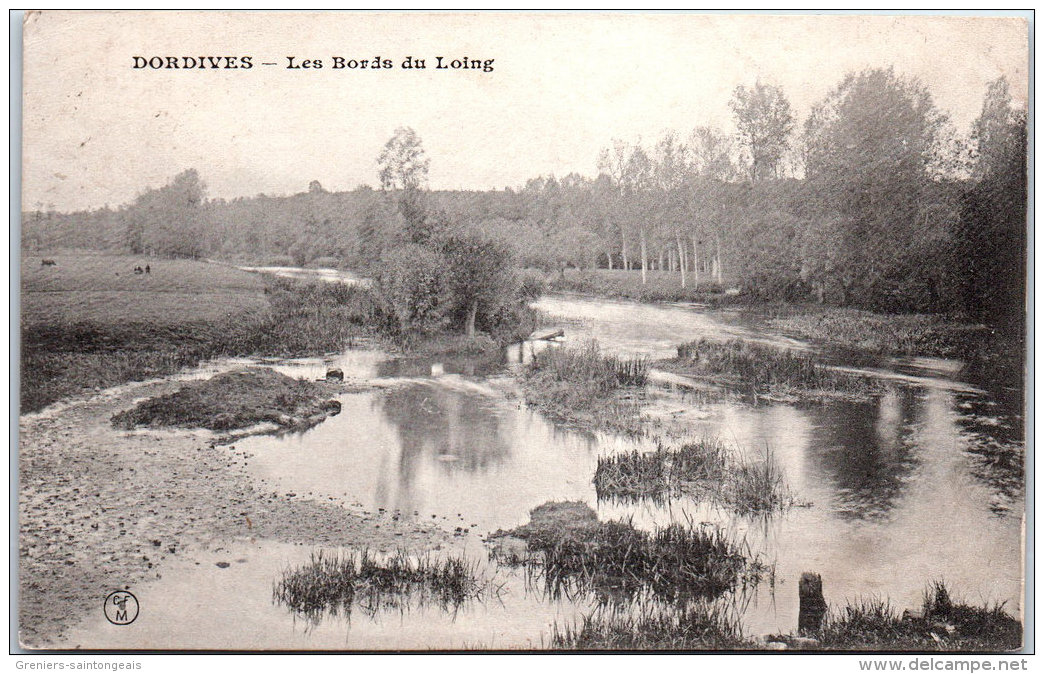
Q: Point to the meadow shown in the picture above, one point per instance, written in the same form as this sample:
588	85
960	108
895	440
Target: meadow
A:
89	322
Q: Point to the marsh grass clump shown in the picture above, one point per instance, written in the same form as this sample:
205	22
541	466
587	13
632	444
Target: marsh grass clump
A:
941	624
228	401
766	370
705	469
661	474
583	385
652	626
588	365
335	583
633	371
579	554
758	485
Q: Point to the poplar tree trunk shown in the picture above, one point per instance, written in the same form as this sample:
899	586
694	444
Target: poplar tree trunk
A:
645	259
681	258
717	263
695	265
626	262
469	327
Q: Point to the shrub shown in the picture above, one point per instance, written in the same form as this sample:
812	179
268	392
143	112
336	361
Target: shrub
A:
413	283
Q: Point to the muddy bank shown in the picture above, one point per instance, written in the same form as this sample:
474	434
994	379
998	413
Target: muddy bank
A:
102	509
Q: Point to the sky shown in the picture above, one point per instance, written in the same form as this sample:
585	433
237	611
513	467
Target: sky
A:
97	131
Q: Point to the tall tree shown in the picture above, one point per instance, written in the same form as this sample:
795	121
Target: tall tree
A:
403	168
402	162
638	180
612	163
764	121
871	149
168	220
671	166
999	133
990	241
713	166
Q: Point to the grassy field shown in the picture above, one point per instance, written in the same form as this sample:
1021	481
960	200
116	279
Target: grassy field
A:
104	289
89	322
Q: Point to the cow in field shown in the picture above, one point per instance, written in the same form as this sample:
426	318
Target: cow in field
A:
47	263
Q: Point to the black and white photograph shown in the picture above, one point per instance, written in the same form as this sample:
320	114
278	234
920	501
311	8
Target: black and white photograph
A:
522	331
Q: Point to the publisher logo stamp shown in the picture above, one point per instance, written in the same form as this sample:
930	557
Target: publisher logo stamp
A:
121	607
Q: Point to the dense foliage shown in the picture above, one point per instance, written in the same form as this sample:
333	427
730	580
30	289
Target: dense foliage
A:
875	204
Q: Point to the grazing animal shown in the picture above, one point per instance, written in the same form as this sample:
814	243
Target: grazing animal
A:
139	270
47	263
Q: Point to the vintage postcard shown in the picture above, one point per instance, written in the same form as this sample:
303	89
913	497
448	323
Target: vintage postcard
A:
522	331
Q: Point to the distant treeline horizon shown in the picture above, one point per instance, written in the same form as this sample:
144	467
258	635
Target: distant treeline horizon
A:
892	213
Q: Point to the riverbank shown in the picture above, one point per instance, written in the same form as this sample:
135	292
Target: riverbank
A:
872	624
660	286
89	322
930	335
856	330
102	509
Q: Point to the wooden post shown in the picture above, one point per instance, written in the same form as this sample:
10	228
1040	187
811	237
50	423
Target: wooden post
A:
812	605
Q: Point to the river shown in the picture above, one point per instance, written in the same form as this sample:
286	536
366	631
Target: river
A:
895	492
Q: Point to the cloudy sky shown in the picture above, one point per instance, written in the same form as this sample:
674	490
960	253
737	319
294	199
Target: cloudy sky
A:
97	131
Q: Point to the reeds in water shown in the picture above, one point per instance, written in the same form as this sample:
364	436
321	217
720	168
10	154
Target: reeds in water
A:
660	474
587	365
763	368
581	385
758	485
652	626
707	468
617	561
334	583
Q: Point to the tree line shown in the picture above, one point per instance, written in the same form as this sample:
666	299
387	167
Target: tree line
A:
871	201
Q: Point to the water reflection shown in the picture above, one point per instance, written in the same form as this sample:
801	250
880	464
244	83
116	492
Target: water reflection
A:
917	484
446	447
428	366
460	432
865	451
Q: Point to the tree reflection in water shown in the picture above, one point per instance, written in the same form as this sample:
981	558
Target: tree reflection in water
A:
865	450
445	429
